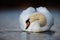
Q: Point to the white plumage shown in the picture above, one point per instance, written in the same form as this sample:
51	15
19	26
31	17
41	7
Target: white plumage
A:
36	25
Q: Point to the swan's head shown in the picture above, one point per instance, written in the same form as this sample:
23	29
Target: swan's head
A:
35	18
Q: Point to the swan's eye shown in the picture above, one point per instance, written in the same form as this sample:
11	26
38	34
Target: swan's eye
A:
27	23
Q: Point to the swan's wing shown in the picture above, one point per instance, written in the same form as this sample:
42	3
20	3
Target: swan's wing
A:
24	16
48	15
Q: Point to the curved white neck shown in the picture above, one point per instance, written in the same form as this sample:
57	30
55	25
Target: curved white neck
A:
34	26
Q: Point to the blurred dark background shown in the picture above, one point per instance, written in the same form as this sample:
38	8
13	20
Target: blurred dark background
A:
26	3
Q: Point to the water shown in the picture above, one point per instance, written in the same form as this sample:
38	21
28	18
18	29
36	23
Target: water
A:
10	30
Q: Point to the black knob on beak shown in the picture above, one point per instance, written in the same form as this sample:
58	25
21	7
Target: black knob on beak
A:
27	23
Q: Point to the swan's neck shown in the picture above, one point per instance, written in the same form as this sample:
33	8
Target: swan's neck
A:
34	26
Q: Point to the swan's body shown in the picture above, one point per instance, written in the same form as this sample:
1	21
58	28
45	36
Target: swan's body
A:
41	17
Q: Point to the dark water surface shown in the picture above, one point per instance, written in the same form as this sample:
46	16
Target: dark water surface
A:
10	30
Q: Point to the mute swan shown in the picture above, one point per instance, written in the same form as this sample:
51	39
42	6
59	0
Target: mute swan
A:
36	20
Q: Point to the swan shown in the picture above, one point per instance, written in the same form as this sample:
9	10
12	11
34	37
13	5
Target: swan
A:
36	20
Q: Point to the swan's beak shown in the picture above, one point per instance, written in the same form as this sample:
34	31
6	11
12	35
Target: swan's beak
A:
27	23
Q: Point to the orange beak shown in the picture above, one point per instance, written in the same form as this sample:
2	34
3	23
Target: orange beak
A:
27	23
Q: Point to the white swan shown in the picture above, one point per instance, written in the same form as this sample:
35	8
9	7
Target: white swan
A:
36	21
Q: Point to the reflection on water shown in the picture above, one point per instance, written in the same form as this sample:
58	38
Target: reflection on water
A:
36	36
18	35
